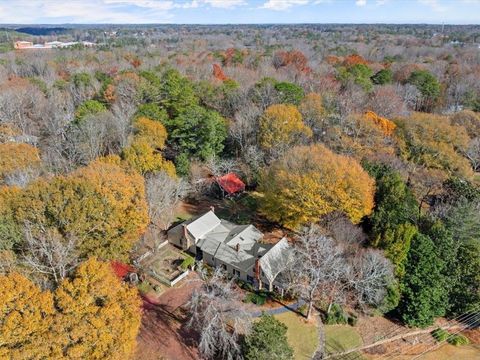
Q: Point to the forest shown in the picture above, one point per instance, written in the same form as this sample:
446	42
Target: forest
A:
361	143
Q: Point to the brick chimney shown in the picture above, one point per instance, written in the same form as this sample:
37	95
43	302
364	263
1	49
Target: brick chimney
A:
212	208
237	247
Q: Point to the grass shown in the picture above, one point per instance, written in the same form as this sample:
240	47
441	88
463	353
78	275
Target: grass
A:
302	336
342	337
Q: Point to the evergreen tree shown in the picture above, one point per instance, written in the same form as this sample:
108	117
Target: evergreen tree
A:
424	291
268	340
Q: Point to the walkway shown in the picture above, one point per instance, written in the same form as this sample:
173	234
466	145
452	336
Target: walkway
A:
280	310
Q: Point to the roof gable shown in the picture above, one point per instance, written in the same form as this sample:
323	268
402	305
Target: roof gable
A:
204	224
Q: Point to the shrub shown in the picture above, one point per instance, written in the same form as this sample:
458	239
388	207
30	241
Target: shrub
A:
458	339
440	335
336	316
187	263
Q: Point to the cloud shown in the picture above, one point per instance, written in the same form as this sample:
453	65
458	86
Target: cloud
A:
361	2
280	5
225	4
434	4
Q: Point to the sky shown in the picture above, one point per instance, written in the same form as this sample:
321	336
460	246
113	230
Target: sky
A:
238	11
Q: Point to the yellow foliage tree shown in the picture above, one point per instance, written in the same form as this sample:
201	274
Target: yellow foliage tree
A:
102	205
282	125
313	112
99	317
92	315
151	131
26	315
385	125
311	181
144	153
144	158
17	157
430	140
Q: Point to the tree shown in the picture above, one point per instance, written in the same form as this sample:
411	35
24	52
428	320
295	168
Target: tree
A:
142	157
26	315
289	93
48	253
383	77
89	107
395	205
151	131
267	340
429	88
314	113
19	163
311	181
163	195
320	269
99	316
282	126
101	205
176	93
424	290
152	111
218	316
197	132
431	140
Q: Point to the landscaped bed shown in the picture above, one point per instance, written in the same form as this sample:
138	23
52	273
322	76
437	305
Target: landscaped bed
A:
302	336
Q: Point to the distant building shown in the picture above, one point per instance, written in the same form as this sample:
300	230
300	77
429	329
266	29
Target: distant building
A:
23	44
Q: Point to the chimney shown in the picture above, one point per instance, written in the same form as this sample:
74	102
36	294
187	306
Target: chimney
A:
212	208
257	268
185	235
237	247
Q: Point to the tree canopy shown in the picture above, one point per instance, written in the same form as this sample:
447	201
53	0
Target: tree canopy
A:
311	181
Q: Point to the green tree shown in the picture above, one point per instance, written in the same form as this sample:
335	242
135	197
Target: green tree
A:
395	205
152	111
428	86
89	107
176	93
424	290
289	93
198	132
267	340
383	77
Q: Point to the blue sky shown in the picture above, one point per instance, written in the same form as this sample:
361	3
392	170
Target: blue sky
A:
239	11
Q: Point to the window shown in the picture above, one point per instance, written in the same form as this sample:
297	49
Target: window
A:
236	273
224	267
249	279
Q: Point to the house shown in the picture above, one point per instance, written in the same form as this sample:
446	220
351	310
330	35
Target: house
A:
237	249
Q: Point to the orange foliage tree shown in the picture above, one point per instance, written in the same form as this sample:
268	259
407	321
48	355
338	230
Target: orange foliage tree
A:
15	157
312	181
354	59
218	73
387	126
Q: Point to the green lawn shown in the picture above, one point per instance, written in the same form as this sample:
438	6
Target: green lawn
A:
341	337
302	336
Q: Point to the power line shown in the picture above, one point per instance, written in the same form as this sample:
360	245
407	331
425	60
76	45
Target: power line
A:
451	336
466	317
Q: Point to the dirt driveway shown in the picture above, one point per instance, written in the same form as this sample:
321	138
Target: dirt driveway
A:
163	334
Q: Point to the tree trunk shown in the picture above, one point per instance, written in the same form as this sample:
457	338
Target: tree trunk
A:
310	307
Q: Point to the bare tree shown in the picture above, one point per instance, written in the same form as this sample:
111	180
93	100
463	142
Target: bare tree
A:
320	270
371	274
47	252
473	153
163	195
220	167
218	317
